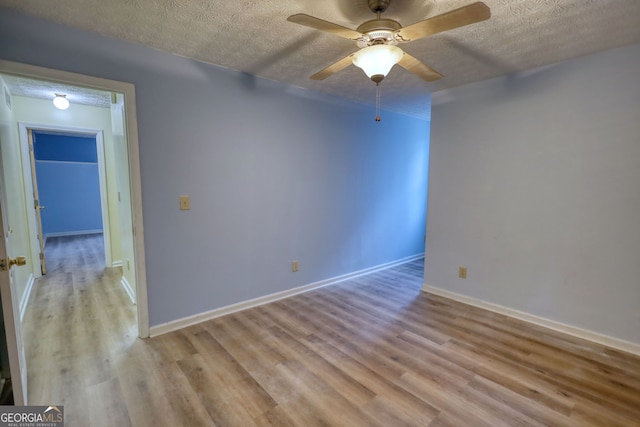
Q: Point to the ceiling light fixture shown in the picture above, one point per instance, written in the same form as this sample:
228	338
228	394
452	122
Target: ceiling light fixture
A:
61	102
378	37
376	61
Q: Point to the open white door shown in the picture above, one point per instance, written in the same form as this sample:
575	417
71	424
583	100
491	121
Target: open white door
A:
36	201
11	313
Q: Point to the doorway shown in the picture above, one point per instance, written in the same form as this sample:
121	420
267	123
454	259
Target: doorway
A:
67	170
123	103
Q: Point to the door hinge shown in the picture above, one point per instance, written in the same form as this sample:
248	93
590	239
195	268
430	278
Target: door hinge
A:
41	255
36	203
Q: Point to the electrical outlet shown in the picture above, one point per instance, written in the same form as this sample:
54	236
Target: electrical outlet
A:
462	272
294	266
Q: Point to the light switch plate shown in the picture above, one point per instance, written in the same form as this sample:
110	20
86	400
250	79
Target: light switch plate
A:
185	203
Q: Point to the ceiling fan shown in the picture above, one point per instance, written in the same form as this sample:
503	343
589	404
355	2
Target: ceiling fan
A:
378	38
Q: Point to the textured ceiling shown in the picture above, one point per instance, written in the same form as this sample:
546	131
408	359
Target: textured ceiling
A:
254	37
19	86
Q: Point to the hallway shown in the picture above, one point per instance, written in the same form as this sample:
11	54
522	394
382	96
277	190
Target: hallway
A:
78	321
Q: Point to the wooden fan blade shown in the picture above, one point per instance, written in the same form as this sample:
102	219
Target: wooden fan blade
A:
419	68
475	12
333	68
322	25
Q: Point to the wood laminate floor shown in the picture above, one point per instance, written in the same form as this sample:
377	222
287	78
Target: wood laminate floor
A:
373	351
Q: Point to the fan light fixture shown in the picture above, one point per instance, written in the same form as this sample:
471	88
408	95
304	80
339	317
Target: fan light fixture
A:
378	38
377	60
61	102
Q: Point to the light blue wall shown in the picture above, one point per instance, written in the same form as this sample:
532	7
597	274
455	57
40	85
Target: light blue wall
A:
70	193
535	187
275	173
68	183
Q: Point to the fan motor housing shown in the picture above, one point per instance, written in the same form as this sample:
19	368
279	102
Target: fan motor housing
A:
380	29
378	6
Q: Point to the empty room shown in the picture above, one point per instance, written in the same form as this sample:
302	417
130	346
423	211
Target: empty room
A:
339	213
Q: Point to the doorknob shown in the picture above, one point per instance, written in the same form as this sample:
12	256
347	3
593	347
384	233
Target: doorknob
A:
20	260
41	207
6	264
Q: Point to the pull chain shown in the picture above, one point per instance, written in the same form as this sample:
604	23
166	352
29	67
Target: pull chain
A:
377	102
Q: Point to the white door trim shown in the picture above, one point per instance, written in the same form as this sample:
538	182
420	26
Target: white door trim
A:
23	127
128	89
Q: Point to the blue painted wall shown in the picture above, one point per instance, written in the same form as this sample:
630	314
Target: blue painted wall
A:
275	173
68	183
66	148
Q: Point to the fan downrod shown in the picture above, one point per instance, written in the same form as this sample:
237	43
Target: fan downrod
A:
378	6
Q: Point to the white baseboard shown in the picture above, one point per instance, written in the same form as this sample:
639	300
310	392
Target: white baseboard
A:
73	233
116	264
128	289
586	334
164	328
27	294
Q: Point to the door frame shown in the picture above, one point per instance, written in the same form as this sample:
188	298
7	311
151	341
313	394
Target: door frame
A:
23	128
128	89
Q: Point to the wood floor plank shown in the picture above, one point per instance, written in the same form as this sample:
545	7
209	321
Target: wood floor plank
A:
585	414
447	401
319	394
108	408
225	371
185	402
398	402
521	404
373	350
147	394
216	398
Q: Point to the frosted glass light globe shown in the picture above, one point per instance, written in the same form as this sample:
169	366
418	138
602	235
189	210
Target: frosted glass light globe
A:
376	61
61	102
